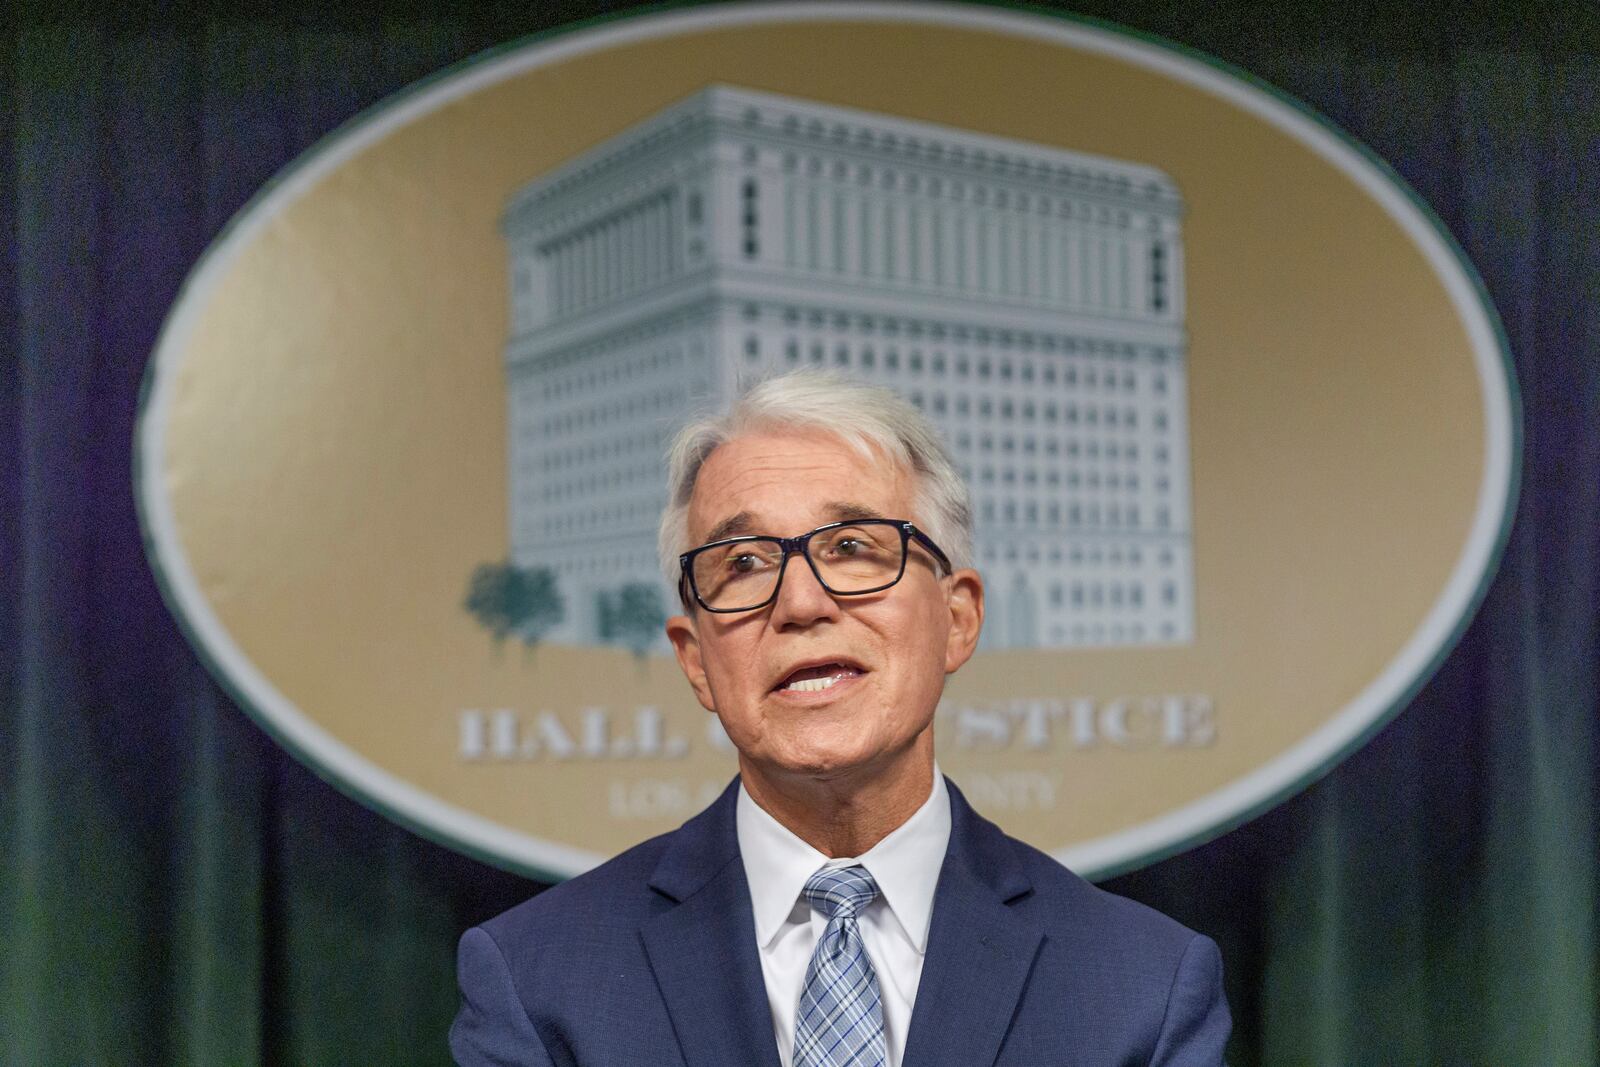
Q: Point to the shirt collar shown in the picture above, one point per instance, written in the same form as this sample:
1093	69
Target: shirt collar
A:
905	864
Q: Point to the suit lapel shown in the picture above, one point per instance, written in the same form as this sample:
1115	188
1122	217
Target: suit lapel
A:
979	950
703	950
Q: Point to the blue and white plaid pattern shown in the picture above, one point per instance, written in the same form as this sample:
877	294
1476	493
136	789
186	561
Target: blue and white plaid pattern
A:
840	1021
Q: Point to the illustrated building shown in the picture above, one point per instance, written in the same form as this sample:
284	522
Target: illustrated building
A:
1029	300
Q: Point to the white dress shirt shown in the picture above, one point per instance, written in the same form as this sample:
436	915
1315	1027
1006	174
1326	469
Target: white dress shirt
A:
894	927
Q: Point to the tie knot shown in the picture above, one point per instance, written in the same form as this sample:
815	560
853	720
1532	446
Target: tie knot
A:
841	891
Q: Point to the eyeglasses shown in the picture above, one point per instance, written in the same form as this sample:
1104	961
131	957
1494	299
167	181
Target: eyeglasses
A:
848	558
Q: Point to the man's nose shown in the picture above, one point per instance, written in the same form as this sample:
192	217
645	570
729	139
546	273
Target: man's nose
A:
801	598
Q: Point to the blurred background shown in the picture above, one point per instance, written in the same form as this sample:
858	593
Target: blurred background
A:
176	889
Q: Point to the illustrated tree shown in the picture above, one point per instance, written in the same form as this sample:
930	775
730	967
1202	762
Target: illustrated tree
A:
508	600
491	599
541	607
632	616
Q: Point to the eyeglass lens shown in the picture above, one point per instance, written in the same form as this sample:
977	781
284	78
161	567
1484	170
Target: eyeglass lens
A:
849	559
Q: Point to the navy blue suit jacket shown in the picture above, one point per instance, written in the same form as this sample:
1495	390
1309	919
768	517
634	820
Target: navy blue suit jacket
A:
651	959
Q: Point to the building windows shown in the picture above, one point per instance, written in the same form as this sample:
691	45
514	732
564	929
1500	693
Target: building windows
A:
1031	436
750	218
1158	277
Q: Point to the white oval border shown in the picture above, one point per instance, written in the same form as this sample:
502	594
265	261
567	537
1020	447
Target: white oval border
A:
1102	857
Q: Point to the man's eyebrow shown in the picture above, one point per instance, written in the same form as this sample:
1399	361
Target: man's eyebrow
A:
846	511
743	522
732	526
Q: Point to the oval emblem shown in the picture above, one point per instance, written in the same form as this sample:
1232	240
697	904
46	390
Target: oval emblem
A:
1237	418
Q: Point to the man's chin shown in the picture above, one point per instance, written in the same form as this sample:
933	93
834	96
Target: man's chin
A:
822	764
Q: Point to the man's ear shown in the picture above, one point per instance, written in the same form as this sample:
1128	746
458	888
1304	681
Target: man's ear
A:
966	618
685	640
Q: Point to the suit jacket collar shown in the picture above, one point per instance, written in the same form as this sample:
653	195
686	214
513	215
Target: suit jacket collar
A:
704	956
699	849
703	951
980	950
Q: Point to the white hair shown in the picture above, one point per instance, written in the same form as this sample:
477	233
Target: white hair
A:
877	422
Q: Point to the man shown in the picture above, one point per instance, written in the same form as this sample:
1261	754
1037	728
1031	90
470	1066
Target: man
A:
840	903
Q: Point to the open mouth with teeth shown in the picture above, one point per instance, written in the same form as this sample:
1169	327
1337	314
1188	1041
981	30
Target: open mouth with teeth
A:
817	678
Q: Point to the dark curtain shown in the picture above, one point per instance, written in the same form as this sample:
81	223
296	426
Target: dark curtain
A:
175	890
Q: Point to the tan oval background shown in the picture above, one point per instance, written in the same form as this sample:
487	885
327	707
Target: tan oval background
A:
324	450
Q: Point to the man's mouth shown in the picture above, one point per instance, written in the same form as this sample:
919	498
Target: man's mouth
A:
817	677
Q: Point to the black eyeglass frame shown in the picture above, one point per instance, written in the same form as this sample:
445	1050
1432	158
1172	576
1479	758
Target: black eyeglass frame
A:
801	546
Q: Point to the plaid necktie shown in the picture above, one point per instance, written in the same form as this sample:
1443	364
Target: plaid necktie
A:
840	1021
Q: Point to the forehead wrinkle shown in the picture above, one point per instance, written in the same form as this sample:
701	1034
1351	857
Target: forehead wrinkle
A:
778	465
